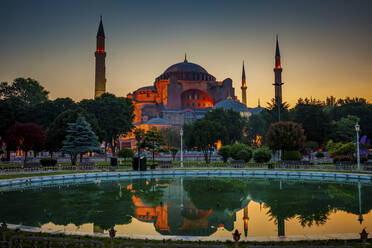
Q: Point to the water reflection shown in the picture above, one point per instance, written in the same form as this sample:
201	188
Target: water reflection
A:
194	206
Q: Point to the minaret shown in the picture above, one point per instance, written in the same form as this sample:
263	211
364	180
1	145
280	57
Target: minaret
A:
245	220
278	75
244	87
100	81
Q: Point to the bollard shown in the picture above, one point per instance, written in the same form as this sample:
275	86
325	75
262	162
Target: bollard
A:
236	237
364	236
4	228
112	233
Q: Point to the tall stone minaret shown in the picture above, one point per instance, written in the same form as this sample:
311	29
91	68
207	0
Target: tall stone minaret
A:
278	75
244	87
100	81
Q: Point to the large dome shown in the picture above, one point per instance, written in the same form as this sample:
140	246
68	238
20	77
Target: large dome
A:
186	71
185	67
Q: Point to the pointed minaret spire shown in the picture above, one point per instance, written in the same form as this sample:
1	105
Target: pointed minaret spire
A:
100	32
277	51
244	86
185	61
259	105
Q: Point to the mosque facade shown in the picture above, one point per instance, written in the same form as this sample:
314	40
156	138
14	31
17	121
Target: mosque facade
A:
184	92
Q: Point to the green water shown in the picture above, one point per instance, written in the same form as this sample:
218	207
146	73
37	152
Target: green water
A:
194	206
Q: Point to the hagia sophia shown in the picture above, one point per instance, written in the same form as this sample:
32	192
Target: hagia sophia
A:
184	92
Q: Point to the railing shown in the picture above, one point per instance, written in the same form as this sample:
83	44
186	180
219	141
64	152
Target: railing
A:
20	241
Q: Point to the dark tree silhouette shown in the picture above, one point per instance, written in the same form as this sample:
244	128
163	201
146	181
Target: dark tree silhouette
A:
25	137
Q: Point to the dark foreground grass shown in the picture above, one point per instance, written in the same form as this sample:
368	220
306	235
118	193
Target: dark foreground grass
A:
117	241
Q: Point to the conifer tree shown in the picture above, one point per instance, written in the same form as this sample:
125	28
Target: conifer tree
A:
80	139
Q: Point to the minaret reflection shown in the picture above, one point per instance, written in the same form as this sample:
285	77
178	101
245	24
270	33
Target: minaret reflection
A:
360	219
245	220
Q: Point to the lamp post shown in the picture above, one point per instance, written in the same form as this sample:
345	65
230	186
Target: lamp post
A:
357	129
181	133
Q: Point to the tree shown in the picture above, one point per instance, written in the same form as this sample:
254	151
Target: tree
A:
45	113
153	142
172	137
203	135
56	131
314	120
173	150
231	120
80	139
225	152
254	129
25	137
344	129
285	135
139	134
125	153
358	107
114	116
26	89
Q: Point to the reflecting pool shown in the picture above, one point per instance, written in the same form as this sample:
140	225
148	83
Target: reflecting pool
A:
195	206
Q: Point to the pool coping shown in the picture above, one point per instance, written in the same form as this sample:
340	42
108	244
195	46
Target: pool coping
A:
65	178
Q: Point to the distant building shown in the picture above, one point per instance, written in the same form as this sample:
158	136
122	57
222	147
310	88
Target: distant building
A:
182	93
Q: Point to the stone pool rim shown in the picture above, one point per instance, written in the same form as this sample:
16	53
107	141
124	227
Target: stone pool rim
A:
285	174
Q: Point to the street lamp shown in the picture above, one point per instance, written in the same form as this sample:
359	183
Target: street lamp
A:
357	129
181	133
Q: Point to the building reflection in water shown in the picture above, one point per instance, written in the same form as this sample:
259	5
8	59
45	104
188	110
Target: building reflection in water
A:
196	207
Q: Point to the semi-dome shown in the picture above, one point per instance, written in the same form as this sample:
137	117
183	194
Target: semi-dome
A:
233	105
186	71
157	121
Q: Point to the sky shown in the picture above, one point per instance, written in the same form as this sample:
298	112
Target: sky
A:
326	45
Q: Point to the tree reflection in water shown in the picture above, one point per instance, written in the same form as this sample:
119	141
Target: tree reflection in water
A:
187	206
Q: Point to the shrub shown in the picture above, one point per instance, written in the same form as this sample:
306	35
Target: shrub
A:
291	155
46	162
225	152
1	151
319	155
262	155
342	158
125	153
235	150
338	148
245	154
